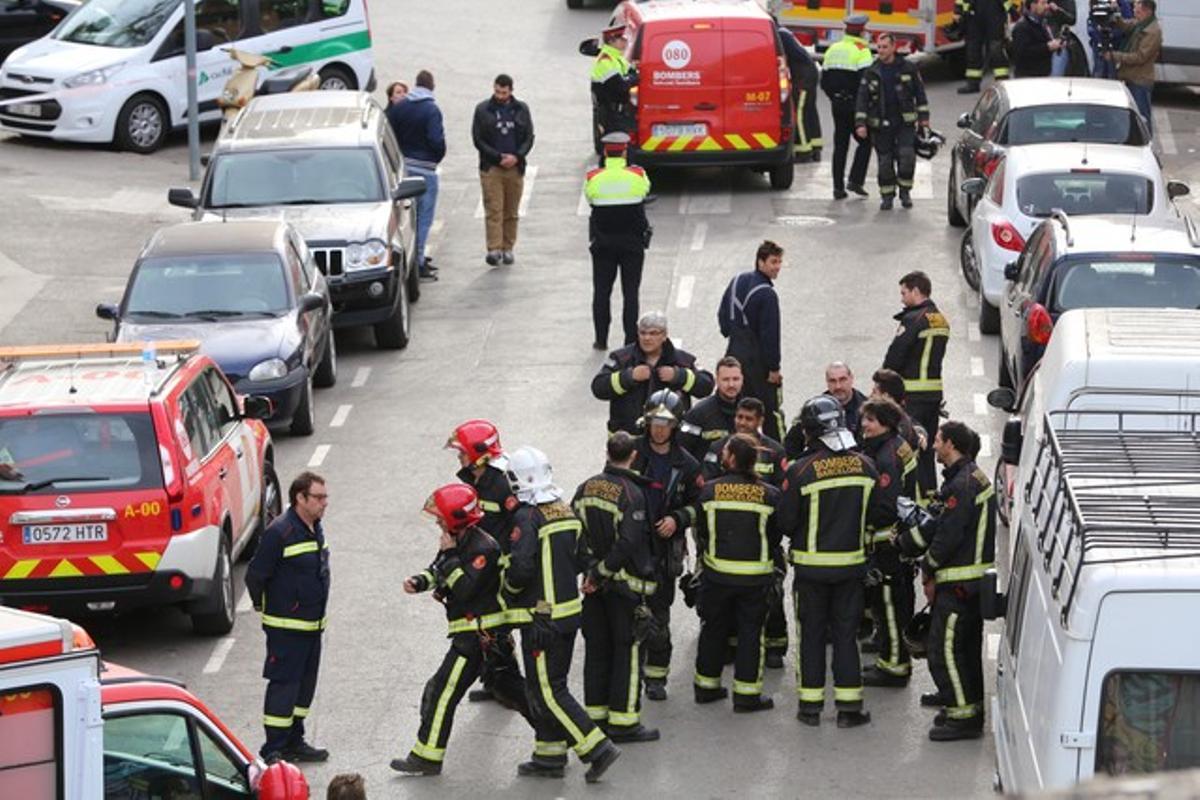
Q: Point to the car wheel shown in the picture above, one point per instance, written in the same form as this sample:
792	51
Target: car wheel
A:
270	506
989	317
304	420
1003	500
337	78
215	616
1005	375
393	332
326	374
968	259
953	215
142	124
782	175
413	278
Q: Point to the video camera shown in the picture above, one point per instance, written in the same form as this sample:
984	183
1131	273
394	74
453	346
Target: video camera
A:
1103	14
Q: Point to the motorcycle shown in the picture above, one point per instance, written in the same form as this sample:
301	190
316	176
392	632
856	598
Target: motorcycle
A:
243	85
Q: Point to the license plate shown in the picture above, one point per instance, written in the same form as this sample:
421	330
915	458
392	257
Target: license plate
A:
699	129
65	534
25	109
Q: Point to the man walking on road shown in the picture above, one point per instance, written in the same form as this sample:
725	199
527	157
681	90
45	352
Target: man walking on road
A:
749	319
503	134
417	123
1138	54
844	63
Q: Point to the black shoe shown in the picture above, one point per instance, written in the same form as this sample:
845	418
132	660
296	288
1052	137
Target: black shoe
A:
954	731
873	676
536	769
809	718
747	705
886	203
428	265
415	765
601	762
492	258
774	661
600	345
840	194
933	700
632	733
656	691
971	87
816	156
939	718
426	276
305	752
506	257
857	189
870	645
710	695
852	719
480	696
905	198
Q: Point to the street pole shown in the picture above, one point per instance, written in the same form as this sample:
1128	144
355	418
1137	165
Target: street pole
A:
193	106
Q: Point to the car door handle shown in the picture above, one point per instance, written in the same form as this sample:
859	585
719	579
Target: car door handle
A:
240	453
222	472
287	48
705	106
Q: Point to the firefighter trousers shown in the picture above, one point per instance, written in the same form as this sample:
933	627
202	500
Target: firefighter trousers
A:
925	409
658	654
775	632
843	135
893	607
442	694
558	719
807	139
834	607
727	610
501	672
895	148
984	33
609	260
956	652
293	660
612	686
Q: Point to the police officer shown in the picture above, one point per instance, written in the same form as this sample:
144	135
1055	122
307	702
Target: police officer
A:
806	76
673	484
840	75
985	26
540	594
632	374
959	545
826	499
612	78
288	582
916	352
749	319
711	419
619	234
465	578
618	565
891	105
736	532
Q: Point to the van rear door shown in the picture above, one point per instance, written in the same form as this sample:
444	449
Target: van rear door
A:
753	107
681	74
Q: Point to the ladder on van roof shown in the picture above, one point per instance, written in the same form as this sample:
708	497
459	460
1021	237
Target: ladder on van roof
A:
1113	487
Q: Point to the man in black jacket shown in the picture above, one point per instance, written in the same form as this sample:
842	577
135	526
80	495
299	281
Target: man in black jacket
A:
749	318
503	134
839	384
1033	44
711	419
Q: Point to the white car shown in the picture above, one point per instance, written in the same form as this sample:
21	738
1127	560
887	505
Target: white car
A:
1031	181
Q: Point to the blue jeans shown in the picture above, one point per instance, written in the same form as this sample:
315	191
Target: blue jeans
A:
1141	96
426	205
1059	63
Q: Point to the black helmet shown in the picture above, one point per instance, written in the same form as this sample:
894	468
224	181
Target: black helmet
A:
822	414
665	405
916	634
928	142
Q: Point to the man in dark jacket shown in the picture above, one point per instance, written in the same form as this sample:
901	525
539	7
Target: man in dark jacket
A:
839	384
417	123
502	130
1033	45
712	418
749	319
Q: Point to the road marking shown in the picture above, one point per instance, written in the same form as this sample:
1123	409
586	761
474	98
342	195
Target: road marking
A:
1163	133
683	296
816	182
718	202
339	416
584	208
698	234
20	286
244	604
526	193
360	377
973	333
981	405
434	233
976	366
993	646
217	659
985	445
318	456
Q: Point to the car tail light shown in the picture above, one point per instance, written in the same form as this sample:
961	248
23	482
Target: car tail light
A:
1038	325
986	162
785	86
172	479
1005	235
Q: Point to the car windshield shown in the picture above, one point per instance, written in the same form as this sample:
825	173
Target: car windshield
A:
1074	123
116	23
207	286
295	177
1132	280
59	453
1084	193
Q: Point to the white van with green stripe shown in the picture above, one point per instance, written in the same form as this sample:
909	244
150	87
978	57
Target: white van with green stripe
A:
113	70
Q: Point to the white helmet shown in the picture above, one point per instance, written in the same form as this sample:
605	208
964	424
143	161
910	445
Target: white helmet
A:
531	476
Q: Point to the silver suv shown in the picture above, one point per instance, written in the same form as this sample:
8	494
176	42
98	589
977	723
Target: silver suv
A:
326	162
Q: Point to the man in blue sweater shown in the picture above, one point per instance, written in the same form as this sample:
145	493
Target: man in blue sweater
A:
417	123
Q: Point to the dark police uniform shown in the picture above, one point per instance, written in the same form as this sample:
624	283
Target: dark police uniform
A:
288	582
891	102
708	421
805	77
627	397
749	319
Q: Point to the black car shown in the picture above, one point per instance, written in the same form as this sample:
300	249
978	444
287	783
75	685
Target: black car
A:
22	21
252	295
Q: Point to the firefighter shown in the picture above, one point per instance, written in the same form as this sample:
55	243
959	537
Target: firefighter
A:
916	352
736	532
985	26
841	73
612	78
888	385
618	565
540	595
769	467
288	583
465	578
826	499
618	234
749	318
957	546
635	372
673	484
893	597
806	76
711	419
891	106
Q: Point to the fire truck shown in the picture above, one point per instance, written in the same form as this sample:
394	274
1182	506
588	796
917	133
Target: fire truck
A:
919	25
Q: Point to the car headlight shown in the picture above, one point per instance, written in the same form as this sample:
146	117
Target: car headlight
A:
268	370
93	77
366	255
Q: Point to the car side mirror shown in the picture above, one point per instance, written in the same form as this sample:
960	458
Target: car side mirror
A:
589	47
409	187
182	198
1178	189
1013	438
1010	271
992	602
257	407
964	120
973	187
311	301
205	158
107	311
1002	398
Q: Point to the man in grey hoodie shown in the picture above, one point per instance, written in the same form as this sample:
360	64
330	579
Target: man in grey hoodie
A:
417	123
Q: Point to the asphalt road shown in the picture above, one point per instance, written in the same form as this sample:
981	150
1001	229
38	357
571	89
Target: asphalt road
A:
513	344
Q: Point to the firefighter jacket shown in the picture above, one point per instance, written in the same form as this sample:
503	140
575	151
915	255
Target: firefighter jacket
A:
917	351
678	492
617	194
627	397
896	463
288	578
749	319
495	499
542	568
824	510
771	464
988	9
842	69
737	531
962	543
617	537
466	578
708	421
911	102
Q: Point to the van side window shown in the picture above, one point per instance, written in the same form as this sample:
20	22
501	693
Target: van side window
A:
332	8
274	15
1149	722
199	419
151	749
1018	589
224	404
221	18
33	754
391	154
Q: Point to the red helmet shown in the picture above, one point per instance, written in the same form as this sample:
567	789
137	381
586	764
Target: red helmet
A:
282	781
478	439
456	505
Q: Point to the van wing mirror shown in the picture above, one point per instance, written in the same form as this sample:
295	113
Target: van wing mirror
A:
1002	398
589	47
1013	439
973	187
107	311
1178	189
311	301
182	198
1010	271
965	120
257	407
992	602
409	187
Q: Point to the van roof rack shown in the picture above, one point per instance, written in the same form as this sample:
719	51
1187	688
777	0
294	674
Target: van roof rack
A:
1114	480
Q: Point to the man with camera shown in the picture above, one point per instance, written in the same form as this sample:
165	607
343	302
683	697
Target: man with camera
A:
1103	34
1138	54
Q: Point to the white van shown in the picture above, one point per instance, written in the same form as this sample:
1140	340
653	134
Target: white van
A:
1098	671
113	70
1180	23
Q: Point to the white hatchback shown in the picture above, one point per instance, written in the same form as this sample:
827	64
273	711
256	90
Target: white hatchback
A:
1031	181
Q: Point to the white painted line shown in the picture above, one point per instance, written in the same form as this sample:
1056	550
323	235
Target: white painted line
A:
976	366
993	646
815	182
318	456
981	405
219	653
973	333
339	416
244	605
584	208
1163	133
527	192
985	445
683	296
360	377
698	234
